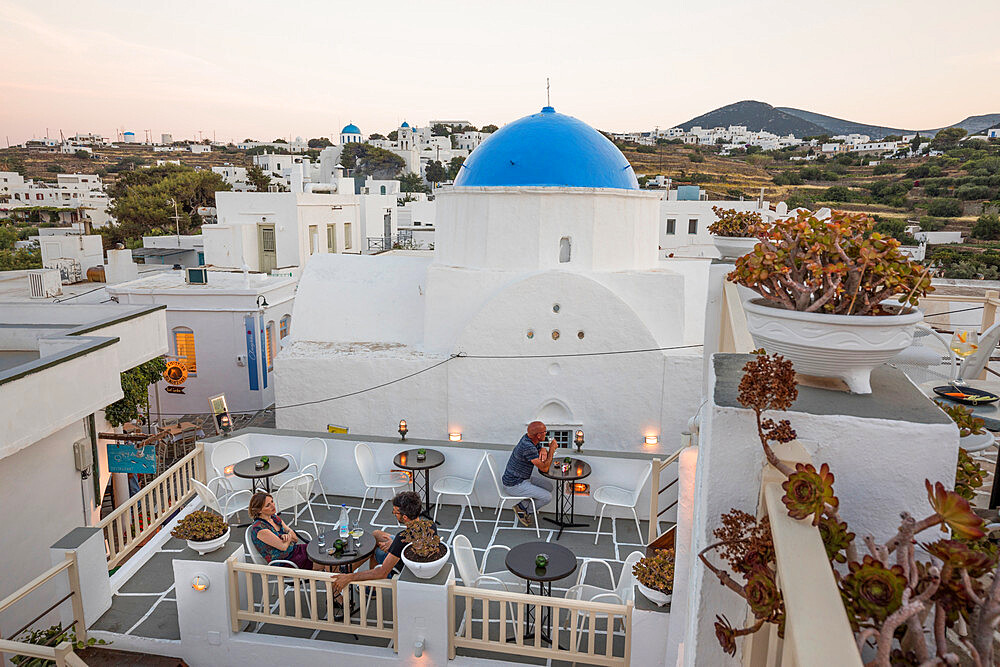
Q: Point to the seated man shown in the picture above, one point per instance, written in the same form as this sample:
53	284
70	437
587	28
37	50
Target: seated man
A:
521	477
386	561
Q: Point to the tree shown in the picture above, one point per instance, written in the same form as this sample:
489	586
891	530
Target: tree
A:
883	168
373	137
8	237
987	227
20	259
489	129
82	155
258	179
321	142
435	172
440	130
394	135
55	168
915	142
412	183
455	166
892	137
368	160
135	386
943	207
947	138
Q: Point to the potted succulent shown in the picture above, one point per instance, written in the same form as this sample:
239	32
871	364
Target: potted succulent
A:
972	432
822	285
655	576
204	531
734	232
424	552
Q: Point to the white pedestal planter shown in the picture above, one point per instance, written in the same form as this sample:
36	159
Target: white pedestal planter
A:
658	598
976	442
425	570
208	546
837	346
731	247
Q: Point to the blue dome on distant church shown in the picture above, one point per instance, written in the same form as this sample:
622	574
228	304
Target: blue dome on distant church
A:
405	124
350	128
548	149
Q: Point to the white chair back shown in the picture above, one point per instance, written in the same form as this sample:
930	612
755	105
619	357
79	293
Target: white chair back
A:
641	483
465	559
255	555
492	464
366	463
479	468
208	498
626	581
226	453
294	492
975	364
313	456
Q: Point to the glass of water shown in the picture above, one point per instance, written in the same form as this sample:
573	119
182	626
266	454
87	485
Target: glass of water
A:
322	539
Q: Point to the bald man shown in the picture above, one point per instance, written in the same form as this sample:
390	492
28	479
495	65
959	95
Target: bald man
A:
521	477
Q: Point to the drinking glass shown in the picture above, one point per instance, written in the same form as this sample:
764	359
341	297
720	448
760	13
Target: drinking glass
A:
964	343
322	539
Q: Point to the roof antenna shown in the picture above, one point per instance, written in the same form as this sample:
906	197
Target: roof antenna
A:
548	99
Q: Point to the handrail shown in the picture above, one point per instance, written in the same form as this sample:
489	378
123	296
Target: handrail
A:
734	336
520	605
655	490
129	525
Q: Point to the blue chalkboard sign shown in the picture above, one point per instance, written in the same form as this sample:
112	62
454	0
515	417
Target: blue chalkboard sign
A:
129	458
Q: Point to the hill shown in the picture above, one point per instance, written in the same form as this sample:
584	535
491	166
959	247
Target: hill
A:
835	126
973	124
756	116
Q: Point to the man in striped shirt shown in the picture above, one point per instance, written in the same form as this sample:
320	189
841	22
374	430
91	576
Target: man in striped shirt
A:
520	478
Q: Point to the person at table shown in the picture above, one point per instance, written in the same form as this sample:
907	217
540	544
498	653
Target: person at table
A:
387	562
522	476
272	537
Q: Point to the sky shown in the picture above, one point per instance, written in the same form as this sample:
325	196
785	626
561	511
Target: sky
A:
266	69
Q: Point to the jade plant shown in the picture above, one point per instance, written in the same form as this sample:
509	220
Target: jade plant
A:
968	475
908	603
51	636
733	223
837	265
200	526
967	423
424	544
656	571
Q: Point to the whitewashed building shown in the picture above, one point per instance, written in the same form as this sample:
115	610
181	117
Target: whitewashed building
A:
80	196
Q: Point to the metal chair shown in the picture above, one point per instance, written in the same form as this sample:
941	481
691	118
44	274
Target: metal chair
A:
621	593
258	559
458	486
374	480
473	575
491	463
295	492
928	358
225	454
975	363
615	495
214	502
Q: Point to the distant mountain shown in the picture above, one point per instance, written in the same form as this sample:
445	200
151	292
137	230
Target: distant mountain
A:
756	116
833	126
974	124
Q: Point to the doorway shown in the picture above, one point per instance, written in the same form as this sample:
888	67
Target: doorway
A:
268	252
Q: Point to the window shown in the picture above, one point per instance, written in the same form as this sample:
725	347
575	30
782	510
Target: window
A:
565	249
347	236
383	189
313	239
331	238
269	332
671	226
285	326
184	349
693	226
562	438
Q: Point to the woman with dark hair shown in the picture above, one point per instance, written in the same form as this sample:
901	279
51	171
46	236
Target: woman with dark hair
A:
273	538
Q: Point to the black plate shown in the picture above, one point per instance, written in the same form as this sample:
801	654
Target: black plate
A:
975	396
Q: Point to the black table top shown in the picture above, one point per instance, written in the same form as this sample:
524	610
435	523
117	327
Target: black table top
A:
408	459
578	469
247	467
521	561
320	556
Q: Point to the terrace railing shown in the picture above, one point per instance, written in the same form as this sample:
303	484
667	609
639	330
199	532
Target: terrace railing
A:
657	491
582	632
61	654
303	611
734	336
129	525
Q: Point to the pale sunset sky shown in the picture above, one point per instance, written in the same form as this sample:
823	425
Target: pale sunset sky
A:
266	69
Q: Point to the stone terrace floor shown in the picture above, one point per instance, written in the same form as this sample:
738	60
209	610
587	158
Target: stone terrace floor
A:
146	606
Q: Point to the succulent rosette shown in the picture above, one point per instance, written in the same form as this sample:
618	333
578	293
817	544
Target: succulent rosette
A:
874	590
808	492
726	635
836	538
762	593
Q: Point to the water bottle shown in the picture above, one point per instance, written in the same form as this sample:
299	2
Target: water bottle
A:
345	522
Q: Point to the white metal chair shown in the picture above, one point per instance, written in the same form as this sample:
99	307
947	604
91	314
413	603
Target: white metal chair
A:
621	592
258	559
491	464
225	454
474	577
374	480
220	505
295	492
458	486
615	495
975	363
929	357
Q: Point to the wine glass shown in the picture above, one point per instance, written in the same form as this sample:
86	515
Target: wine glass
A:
964	344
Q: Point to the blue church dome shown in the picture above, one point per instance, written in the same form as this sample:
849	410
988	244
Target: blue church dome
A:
548	149
405	124
351	129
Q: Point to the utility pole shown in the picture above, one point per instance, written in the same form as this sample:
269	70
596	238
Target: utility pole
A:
177	222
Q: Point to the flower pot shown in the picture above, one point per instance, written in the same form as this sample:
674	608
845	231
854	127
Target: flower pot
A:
848	347
425	570
976	442
731	247
207	546
659	598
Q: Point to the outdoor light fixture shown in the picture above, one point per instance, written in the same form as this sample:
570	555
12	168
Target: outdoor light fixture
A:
402	429
200	583
418	648
229	469
578	440
455	437
263	299
652	439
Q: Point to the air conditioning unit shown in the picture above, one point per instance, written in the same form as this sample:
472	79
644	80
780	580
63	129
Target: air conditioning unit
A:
196	275
44	283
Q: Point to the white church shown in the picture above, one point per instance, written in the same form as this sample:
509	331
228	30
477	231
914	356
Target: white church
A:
545	298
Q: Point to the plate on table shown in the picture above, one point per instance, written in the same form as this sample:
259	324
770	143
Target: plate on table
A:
967	395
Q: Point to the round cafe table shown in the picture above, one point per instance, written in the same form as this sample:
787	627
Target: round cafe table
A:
565	493
247	469
344	559
408	461
521	561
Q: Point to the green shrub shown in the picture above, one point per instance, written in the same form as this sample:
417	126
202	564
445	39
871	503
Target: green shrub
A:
884	168
987	227
944	208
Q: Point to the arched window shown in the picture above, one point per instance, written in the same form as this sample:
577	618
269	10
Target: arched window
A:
270	345
285	327
565	249
184	349
383	189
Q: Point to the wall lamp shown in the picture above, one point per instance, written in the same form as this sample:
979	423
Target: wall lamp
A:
455	437
652	439
578	440
262	301
402	429
200	583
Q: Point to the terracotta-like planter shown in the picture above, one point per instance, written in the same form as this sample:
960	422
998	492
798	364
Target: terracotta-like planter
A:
659	598
425	570
848	347
208	546
731	247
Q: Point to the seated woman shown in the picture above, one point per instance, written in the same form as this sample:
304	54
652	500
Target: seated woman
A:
273	538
